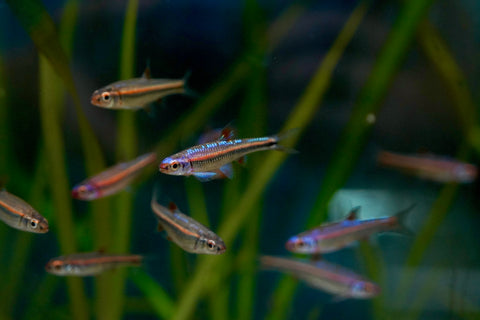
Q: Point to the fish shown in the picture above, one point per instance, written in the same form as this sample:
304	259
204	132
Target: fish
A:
137	93
18	214
333	236
328	277
429	167
187	233
113	179
211	160
90	263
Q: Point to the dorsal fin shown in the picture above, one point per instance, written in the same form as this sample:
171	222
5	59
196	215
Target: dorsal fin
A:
353	213
228	133
146	73
172	206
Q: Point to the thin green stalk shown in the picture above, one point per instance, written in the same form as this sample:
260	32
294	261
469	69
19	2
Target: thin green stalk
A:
35	19
368	103
38	306
444	63
126	149
300	117
376	271
59	185
252	123
162	304
18	262
214	98
5	147
196	201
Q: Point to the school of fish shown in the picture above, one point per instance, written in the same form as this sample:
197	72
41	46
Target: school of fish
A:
212	159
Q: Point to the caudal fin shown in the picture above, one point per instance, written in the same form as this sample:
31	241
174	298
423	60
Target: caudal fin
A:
283	136
402	216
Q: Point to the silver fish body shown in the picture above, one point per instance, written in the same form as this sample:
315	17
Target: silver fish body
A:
325	276
137	93
207	160
20	215
332	236
89	263
187	233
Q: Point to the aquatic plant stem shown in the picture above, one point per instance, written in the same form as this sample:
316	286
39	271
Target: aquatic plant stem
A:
23	242
158	298
444	63
55	153
368	103
300	117
126	149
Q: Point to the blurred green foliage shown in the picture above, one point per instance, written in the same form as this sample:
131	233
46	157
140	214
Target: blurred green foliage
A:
218	280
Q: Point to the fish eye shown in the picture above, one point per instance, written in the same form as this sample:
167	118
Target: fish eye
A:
300	243
211	244
34	223
106	96
174	166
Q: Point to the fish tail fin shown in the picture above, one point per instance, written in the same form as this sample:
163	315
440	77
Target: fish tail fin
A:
283	136
402	216
137	260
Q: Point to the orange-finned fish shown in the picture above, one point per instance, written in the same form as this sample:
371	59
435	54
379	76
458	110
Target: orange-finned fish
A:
90	263
20	215
210	160
325	276
333	236
429	167
187	233
137	93
113	179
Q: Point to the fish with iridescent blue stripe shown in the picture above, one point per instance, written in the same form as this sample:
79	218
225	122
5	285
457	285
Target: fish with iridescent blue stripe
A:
212	160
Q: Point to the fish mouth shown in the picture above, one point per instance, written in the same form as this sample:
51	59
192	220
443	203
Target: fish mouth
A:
221	250
94	100
163	167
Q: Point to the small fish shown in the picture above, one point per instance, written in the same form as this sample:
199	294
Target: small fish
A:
113	179
90	263
20	215
333	236
187	233
137	93
210	160
428	167
325	276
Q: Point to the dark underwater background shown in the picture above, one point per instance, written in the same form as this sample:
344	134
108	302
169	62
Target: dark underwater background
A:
263	67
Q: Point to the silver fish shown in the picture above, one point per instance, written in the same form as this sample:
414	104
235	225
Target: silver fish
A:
137	93
20	215
187	233
325	276
90	263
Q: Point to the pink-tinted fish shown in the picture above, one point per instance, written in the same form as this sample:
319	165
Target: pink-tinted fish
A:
90	263
210	160
325	276
113	179
20	215
334	236
429	167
